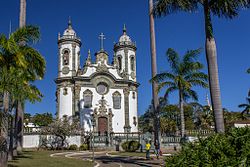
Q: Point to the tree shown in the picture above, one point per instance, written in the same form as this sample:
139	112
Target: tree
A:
61	129
246	108
185	73
42	119
14	56
221	8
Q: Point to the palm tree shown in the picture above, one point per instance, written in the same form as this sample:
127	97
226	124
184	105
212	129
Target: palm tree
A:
185	74
221	8
246	107
154	72
20	106
16	53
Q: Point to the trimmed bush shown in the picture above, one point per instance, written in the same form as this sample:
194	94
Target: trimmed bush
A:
83	147
73	147
130	146
231	149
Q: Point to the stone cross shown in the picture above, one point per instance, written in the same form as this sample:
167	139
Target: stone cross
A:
102	37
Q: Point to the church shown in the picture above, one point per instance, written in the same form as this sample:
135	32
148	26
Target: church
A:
98	90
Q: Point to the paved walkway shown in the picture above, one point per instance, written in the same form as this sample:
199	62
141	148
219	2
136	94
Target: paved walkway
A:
103	159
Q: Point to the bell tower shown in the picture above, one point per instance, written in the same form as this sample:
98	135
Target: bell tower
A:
69	52
125	55
68	65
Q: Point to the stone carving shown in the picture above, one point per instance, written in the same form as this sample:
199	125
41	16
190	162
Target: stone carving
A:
65	70
102	111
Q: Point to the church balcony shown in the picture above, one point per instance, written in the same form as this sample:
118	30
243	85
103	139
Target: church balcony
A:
69	38
125	44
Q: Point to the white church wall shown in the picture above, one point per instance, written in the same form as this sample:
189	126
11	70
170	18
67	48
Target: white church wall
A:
33	141
114	72
65	106
89	71
133	111
118	118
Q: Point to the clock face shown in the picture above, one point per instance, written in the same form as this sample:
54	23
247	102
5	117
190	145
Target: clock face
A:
65	70
102	88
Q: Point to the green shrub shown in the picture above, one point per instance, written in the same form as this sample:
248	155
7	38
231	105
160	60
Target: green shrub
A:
83	147
231	149
130	146
73	147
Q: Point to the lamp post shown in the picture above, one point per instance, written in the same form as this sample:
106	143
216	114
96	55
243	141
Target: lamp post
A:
92	134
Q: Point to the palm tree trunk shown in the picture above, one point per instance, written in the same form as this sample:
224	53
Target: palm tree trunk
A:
22	15
19	126
154	73
19	112
214	86
181	105
11	144
4	132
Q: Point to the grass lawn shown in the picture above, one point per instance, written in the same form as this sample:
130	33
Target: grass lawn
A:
43	159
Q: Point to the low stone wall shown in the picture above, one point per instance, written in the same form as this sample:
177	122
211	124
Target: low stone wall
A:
33	140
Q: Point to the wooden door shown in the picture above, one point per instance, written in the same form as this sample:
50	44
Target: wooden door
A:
102	125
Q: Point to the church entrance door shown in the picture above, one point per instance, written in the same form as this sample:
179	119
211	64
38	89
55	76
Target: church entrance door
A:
103	125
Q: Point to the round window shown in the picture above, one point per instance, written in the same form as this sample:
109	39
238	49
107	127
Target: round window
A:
102	88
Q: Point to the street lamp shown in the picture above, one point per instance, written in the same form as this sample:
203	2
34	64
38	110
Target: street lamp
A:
93	125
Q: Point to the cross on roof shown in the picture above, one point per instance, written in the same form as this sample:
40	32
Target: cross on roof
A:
102	37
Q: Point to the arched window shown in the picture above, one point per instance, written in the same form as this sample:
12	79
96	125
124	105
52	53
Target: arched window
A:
117	100
132	63
66	57
65	91
119	62
87	97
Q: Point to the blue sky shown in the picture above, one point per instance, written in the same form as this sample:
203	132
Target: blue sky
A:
180	31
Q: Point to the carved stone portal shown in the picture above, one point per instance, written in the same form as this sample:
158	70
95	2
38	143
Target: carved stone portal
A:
103	118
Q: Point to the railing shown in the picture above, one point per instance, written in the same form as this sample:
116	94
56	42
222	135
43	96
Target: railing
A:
125	43
69	37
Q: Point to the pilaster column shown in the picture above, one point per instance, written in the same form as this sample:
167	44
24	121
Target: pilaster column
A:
73	59
127	127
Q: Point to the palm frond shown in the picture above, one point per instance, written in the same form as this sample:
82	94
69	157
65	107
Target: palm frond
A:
162	77
196	82
248	71
173	59
165	84
191	93
169	91
165	7
191	55
227	8
243	105
27	34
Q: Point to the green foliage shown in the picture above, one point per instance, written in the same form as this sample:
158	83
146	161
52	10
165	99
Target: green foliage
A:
130	146
231	149
83	147
42	119
73	147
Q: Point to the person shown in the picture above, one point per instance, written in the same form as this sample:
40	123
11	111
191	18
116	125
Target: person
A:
157	149
147	147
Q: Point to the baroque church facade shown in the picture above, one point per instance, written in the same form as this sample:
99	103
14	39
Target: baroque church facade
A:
101	91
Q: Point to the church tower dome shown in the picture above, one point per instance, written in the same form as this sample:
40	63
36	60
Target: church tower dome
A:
125	37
